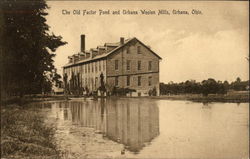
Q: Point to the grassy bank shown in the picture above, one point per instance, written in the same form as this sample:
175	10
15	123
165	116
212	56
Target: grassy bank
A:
231	97
29	99
24	134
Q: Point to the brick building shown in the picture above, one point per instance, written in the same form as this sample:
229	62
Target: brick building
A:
125	64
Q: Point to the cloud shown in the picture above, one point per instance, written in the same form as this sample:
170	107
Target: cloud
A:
221	56
214	44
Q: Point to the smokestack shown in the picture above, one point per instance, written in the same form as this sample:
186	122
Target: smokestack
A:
82	43
121	40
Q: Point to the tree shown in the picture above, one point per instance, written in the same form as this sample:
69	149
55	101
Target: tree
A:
27	48
66	85
239	85
238	80
209	86
154	92
102	85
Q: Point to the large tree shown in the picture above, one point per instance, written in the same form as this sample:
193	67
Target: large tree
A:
27	48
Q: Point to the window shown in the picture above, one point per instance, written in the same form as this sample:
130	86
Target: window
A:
100	66
95	66
139	94
149	65
128	80
96	82
116	81
88	68
139	65
116	64
128	64
81	69
92	67
150	81
139	49
128	50
103	66
139	80
82	82
92	82
85	67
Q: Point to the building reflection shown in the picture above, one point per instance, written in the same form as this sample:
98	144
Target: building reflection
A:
132	123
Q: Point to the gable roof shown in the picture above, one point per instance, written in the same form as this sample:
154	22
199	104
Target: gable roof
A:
105	55
130	40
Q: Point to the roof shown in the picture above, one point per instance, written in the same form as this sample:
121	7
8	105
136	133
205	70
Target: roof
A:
111	44
98	57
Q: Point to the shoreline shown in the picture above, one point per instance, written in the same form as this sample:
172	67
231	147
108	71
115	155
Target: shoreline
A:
230	97
204	99
30	99
233	97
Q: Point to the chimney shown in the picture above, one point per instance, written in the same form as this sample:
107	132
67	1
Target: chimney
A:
82	43
87	54
121	40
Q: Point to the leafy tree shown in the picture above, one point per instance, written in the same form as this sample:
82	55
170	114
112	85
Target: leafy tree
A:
209	86
66	85
27	48
238	80
154	92
121	91
226	85
102	85
192	87
239	85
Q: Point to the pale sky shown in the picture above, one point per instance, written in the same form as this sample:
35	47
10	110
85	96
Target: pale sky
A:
211	45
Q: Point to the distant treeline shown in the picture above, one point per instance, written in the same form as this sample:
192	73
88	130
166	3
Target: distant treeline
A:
209	86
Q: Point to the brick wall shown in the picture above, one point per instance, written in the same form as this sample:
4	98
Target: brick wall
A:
127	53
88	78
145	56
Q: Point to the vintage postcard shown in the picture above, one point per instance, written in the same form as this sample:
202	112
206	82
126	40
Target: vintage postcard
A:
124	79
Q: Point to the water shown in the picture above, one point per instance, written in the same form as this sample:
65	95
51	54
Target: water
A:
147	128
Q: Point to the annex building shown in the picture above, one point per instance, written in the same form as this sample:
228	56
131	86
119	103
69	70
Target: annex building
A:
126	64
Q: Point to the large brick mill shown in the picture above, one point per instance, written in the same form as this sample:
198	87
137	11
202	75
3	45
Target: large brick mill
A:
127	64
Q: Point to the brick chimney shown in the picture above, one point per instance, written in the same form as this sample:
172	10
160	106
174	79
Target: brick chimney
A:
121	40
82	43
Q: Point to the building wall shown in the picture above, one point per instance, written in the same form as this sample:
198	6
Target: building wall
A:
132	55
89	73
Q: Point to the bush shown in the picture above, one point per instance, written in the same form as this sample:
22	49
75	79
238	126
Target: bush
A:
121	91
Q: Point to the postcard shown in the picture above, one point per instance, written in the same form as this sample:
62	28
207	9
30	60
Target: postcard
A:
124	79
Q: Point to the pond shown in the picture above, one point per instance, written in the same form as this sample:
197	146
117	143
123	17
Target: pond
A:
149	128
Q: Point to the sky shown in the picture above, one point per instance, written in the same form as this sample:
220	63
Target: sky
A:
213	44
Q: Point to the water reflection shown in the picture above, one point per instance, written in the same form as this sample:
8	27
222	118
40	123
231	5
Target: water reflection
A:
180	129
206	105
130	123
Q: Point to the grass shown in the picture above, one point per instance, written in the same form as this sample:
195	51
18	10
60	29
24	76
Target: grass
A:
29	99
24	134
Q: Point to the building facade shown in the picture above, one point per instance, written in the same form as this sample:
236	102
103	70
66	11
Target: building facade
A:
125	64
